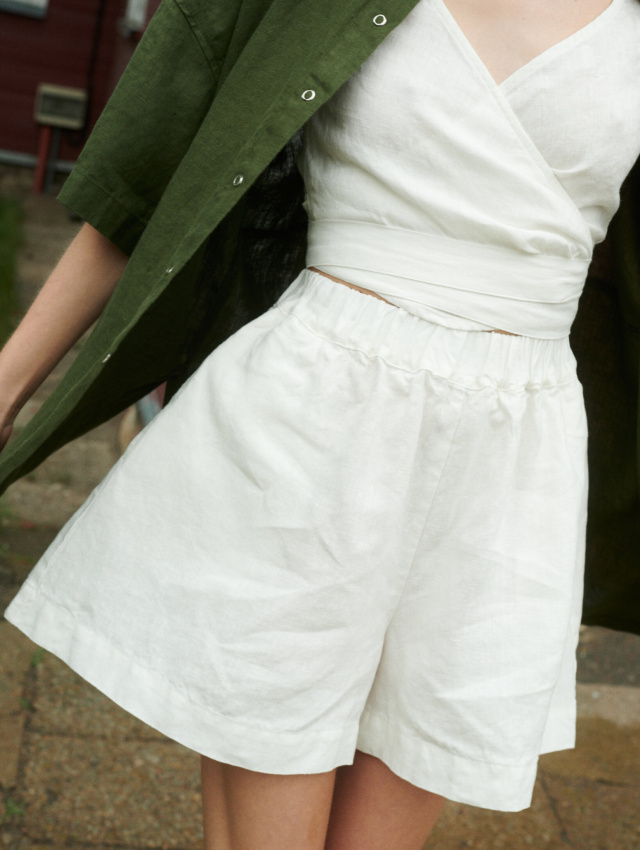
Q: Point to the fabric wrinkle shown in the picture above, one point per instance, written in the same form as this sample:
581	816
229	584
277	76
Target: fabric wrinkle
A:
343	559
485	226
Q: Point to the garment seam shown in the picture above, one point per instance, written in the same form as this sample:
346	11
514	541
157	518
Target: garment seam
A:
377	715
100	186
525	387
170	682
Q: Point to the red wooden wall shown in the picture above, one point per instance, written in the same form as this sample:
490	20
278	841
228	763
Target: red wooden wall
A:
56	49
125	47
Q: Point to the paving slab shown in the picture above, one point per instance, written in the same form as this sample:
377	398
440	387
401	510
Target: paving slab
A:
596	815
21	545
608	657
461	827
16	652
6	595
11	729
144	794
617	703
605	752
67	705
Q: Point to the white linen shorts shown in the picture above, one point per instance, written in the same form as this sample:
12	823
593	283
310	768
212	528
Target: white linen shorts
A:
350	528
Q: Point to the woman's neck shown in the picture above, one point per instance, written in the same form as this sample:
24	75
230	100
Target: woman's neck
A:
508	34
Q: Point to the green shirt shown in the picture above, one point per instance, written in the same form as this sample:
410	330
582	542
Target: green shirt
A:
184	170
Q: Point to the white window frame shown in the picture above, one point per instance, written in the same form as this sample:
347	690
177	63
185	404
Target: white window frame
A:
135	16
30	8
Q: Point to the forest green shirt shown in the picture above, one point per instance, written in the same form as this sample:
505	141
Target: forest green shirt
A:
174	174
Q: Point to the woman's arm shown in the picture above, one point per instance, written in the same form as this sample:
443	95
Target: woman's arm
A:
69	302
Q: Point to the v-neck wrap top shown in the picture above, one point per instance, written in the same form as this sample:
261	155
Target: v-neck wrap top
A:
467	202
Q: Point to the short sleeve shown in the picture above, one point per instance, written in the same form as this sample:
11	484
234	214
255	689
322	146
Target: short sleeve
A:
144	130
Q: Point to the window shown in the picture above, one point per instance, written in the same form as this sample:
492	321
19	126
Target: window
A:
32	8
136	14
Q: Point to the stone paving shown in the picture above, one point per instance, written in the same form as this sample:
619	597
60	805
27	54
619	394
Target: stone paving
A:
78	772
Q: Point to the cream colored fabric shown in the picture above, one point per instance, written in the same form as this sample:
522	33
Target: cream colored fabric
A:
350	528
453	196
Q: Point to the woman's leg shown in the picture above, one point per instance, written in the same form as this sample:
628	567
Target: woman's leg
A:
247	810
374	809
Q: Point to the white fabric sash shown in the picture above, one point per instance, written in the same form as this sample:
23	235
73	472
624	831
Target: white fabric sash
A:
532	294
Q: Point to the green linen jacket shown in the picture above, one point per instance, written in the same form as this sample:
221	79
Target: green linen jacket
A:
191	171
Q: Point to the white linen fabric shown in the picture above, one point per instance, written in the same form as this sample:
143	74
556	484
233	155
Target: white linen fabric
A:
350	528
466	202
354	527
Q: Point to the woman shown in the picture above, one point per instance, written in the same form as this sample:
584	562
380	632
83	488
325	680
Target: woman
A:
356	533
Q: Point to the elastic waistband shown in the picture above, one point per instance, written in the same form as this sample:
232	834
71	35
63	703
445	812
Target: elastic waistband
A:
528	294
472	359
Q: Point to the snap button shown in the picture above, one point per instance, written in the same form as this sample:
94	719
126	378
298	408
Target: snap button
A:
379	20
104	359
169	270
237	180
309	94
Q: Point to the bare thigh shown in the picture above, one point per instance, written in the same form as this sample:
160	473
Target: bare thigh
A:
374	809
363	806
248	810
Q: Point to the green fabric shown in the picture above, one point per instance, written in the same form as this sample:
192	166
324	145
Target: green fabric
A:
214	91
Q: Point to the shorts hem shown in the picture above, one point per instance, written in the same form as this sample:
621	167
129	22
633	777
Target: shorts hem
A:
560	730
499	787
157	702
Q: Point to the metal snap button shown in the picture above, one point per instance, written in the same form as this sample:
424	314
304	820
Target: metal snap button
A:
169	270
238	179
379	20
309	94
104	359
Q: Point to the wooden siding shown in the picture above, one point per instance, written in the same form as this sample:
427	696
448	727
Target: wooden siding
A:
56	49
